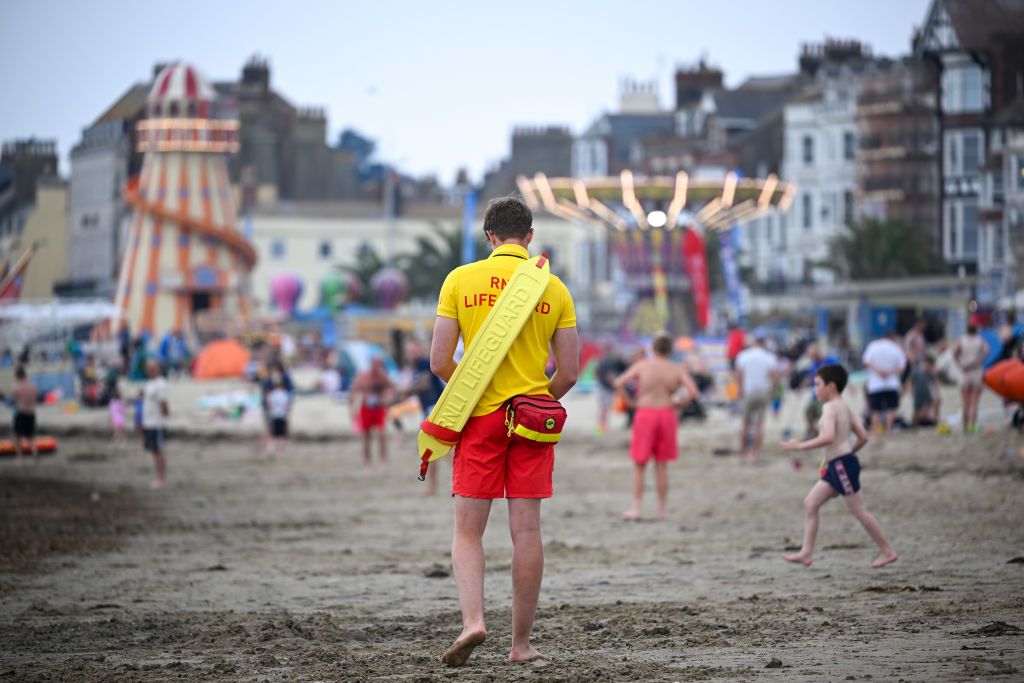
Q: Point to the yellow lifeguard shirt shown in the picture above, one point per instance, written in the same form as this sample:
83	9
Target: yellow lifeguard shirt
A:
469	293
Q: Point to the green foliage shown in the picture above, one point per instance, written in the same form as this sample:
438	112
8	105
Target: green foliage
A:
872	249
435	255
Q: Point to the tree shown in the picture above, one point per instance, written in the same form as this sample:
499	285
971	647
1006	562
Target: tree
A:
368	262
435	255
871	249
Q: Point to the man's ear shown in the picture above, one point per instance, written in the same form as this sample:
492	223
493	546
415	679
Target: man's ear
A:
529	237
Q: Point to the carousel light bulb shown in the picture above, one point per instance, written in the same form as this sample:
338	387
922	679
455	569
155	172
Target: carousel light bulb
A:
657	219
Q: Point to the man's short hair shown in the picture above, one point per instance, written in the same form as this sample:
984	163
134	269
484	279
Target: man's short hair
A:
663	344
508	218
20	372
833	374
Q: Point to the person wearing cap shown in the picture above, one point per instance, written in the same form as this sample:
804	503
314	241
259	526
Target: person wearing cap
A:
756	373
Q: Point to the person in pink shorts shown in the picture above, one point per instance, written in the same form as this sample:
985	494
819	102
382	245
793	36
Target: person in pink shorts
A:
658	381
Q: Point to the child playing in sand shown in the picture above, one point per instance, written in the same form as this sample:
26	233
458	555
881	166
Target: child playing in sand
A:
655	423
840	468
279	402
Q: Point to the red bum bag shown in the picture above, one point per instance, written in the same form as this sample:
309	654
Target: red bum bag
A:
536	418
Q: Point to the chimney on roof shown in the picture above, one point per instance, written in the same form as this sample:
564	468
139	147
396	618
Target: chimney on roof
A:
256	74
692	82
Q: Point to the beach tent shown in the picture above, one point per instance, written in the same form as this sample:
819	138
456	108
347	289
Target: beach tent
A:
221	358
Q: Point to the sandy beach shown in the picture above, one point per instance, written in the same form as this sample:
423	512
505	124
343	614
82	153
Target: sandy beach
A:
314	569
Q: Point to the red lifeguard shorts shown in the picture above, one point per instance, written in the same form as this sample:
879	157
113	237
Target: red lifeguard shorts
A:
654	435
489	464
372	418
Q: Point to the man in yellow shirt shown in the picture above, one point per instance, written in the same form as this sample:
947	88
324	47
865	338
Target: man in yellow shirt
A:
487	463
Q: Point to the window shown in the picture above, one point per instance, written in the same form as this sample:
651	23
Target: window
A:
277	250
971	152
808	215
970	229
999	244
963	89
951	241
952	164
973	99
849	146
325	249
848	206
1017	168
808	149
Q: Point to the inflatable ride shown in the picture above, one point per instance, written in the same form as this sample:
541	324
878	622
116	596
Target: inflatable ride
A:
44	444
1006	378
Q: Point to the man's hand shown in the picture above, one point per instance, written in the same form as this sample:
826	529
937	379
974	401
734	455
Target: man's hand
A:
791	445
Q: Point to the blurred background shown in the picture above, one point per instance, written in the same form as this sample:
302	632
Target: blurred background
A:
821	171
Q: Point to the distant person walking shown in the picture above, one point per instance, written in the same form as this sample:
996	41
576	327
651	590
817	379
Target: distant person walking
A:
655	424
609	367
970	352
154	420
885	362
372	391
756	371
24	396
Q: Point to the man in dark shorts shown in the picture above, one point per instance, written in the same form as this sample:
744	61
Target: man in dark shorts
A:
885	362
487	463
24	396
154	421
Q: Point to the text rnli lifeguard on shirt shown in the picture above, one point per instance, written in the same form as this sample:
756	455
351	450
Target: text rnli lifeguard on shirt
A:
478	299
493	341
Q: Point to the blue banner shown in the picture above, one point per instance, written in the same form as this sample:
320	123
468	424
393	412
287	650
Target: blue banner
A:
468	218
728	241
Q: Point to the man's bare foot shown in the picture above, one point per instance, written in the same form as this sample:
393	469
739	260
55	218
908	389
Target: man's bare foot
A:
662	516
156	484
798	558
884	559
530	654
462	648
631	515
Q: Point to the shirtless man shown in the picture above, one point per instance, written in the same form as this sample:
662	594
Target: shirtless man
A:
655	424
840	467
24	396
372	390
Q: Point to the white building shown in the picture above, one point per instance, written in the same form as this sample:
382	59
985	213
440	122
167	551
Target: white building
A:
312	239
820	156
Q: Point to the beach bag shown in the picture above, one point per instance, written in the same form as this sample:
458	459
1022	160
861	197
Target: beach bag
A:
535	418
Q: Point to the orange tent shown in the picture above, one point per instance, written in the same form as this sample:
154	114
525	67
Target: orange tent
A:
221	358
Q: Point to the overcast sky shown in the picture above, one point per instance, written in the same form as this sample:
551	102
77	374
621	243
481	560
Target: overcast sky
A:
439	84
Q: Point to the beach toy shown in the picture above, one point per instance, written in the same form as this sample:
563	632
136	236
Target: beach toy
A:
44	444
944	429
1006	378
441	430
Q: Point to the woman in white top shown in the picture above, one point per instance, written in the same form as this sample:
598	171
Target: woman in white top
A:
970	352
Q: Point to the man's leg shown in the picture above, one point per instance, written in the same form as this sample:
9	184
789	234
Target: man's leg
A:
820	493
638	491
161	470
382	439
367	436
755	448
965	400
744	438
661	480
975	400
527	572
468	567
855	502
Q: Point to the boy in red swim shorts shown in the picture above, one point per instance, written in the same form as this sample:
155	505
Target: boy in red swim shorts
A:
372	391
658	380
488	463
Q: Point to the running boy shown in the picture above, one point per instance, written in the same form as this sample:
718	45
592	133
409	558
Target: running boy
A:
655	423
840	468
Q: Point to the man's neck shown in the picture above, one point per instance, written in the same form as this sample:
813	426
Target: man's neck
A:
510	242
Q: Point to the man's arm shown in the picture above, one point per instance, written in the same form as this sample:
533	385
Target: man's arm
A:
566	346
630	374
442	347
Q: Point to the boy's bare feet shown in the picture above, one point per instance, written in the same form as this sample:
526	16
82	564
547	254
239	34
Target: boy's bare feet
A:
528	655
884	559
631	515
798	558
462	648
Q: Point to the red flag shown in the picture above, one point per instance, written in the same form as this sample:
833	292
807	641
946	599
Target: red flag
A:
697	270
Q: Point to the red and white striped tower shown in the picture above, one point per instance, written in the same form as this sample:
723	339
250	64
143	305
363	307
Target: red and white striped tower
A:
183	253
